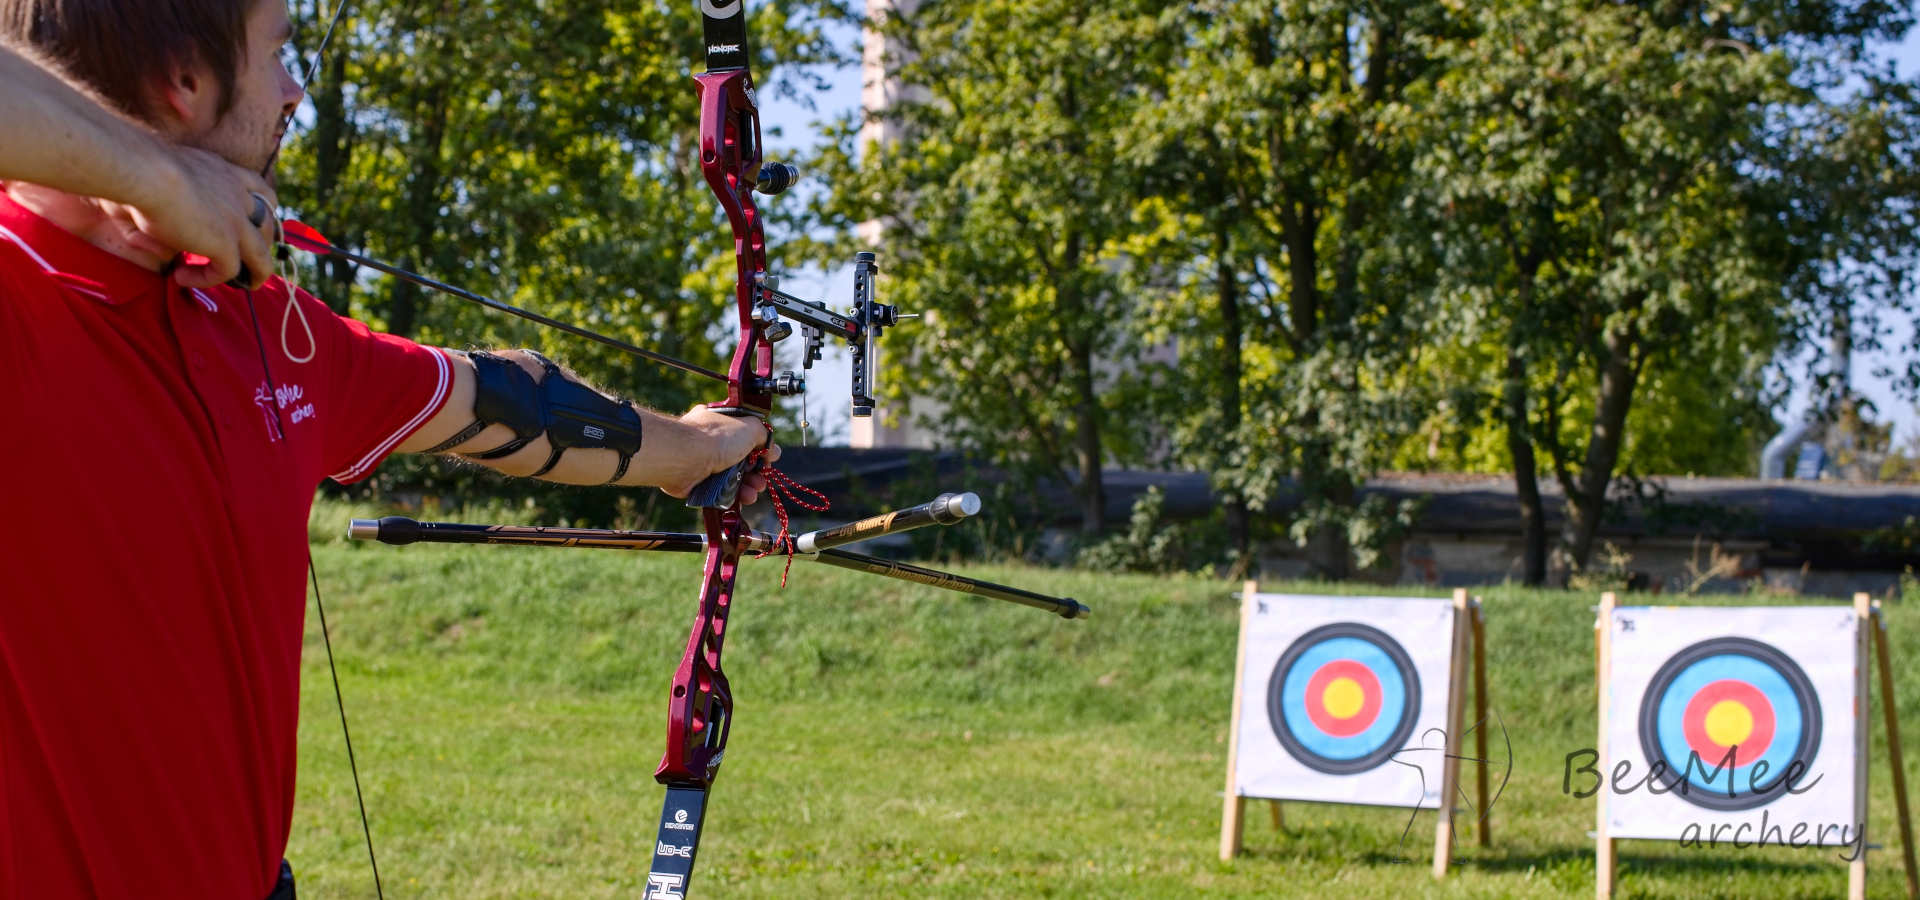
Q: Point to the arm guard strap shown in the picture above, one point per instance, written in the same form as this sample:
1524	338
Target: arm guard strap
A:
569	413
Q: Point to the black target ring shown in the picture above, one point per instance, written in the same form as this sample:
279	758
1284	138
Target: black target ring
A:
1392	696
1770	674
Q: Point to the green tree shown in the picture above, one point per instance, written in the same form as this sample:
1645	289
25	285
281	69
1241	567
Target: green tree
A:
1617	198
1007	206
1281	139
538	152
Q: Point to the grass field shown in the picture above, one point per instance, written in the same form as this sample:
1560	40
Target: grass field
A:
508	711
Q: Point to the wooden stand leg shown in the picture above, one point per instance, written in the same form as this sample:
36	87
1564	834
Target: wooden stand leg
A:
1233	806
1895	762
1857	868
1485	831
1450	765
1603	856
1230	823
1278	822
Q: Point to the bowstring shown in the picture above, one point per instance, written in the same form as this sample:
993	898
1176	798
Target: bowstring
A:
313	573
366	827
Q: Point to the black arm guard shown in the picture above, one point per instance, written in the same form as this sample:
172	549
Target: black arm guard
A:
569	413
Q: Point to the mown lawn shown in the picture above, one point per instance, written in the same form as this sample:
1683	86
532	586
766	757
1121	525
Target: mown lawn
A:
508	709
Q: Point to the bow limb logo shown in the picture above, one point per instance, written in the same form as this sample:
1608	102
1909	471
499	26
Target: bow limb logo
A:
720	9
679	815
662	886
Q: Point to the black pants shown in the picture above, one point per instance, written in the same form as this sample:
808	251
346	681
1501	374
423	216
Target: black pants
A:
284	889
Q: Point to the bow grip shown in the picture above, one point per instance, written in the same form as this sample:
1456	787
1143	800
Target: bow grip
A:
721	489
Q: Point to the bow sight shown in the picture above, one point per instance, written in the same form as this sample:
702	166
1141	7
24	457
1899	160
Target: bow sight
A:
861	332
869	318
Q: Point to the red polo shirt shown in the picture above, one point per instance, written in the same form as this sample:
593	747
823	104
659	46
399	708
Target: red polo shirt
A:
159	463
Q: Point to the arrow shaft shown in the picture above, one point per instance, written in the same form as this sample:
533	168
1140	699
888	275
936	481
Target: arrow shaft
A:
510	309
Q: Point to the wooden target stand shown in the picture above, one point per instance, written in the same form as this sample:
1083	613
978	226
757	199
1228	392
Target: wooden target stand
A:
1469	641
1872	627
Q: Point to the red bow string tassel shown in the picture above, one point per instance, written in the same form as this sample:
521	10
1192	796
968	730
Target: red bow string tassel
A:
781	490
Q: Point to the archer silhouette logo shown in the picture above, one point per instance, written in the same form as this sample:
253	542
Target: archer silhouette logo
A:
1434	740
265	402
665	886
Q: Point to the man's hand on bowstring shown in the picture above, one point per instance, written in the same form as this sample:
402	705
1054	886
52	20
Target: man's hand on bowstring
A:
212	209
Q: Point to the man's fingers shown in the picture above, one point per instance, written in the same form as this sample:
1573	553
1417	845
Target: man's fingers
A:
257	249
201	272
197	277
257	261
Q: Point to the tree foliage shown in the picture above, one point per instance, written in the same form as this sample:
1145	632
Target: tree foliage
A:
1290	245
1646	199
539	152
1007	209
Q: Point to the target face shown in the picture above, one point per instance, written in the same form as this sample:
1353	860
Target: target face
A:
1730	696
1343	698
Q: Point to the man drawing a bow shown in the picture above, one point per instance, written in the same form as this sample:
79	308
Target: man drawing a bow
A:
149	676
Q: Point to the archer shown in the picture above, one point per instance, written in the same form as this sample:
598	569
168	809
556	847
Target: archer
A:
149	678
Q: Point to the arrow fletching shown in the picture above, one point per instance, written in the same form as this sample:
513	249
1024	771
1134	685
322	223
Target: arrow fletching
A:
301	236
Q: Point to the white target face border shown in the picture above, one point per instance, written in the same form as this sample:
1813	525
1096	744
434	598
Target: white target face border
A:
1820	640
1422	626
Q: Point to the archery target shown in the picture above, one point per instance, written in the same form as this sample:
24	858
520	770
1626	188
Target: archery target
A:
1732	716
1344	699
1724	709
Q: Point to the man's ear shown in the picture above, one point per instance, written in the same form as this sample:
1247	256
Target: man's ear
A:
186	95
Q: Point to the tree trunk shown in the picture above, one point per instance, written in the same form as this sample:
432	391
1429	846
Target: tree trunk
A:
332	151
1227	288
1086	440
423	209
1587	502
1526	477
1329	552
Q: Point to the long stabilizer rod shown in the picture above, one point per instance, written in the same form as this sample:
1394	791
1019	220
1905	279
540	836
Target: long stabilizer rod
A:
403	530
945	509
400	530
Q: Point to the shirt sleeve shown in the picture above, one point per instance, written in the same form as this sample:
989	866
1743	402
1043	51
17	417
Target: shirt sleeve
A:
389	386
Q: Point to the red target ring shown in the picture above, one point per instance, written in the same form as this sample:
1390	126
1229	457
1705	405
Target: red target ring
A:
1326	710
1723	700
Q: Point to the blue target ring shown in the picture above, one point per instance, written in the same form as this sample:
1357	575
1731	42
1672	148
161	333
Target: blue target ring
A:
1343	698
1730	697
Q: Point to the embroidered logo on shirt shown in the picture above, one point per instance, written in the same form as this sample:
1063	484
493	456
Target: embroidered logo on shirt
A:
265	402
287	399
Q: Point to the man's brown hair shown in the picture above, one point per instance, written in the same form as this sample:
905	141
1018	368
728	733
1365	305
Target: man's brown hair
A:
125	49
